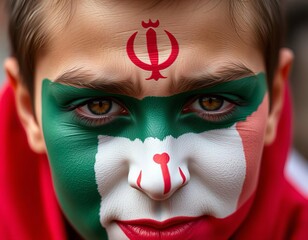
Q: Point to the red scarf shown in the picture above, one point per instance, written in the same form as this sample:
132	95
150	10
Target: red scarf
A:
29	209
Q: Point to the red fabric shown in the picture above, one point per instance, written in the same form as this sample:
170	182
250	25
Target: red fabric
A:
278	212
29	210
28	207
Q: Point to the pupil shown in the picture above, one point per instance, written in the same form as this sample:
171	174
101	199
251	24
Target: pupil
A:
99	107
211	103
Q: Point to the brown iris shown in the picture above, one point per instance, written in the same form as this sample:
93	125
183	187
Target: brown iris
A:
211	103
99	107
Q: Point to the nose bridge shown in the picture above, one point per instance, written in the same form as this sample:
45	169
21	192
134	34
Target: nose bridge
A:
156	171
156	118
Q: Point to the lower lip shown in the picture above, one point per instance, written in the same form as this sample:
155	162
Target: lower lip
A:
171	229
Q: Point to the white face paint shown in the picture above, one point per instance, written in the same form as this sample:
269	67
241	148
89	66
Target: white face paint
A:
213	170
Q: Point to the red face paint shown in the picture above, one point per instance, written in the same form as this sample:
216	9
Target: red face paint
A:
182	175
155	66
139	180
163	160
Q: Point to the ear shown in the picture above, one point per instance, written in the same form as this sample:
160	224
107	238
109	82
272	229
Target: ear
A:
277	96
24	106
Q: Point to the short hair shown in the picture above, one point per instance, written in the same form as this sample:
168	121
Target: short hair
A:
268	25
28	36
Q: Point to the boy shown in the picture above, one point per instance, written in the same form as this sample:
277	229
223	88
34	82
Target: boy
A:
154	116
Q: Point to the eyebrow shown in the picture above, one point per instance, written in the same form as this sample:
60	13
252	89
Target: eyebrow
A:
81	78
224	74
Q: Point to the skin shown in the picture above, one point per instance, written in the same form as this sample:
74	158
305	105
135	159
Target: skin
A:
95	42
209	153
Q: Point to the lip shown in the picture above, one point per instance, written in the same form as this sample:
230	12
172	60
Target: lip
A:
170	229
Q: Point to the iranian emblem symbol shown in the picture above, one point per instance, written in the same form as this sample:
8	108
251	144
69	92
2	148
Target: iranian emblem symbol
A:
151	40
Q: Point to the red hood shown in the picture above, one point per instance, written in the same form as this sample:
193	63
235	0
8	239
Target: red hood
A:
278	211
29	208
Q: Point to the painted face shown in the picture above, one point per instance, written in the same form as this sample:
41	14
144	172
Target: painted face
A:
127	164
152	129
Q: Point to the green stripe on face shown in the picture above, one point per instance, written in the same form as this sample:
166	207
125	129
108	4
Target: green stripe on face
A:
158	117
71	154
72	141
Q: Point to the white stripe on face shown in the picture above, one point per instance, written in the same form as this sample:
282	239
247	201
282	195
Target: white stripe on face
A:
212	163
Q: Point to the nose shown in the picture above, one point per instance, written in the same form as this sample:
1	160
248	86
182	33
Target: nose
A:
158	175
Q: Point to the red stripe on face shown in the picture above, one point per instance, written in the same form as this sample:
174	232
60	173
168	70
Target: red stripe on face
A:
252	132
182	175
139	180
163	160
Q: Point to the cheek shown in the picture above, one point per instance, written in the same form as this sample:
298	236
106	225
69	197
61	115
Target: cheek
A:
71	154
252	132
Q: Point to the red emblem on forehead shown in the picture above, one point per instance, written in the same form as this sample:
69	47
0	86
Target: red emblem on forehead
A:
150	24
151	39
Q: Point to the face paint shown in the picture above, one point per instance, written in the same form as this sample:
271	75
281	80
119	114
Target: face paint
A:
162	160
148	162
155	66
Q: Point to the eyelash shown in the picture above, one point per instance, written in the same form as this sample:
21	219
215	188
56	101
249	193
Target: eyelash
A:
215	116
218	117
94	121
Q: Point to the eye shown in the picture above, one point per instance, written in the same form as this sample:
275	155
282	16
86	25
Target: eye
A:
99	107
211	103
99	111
211	108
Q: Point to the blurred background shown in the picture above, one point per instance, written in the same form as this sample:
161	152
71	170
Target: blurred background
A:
297	40
4	46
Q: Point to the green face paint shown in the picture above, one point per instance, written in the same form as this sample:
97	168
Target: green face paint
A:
165	113
72	142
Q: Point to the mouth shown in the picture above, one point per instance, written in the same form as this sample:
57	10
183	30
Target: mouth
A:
170	229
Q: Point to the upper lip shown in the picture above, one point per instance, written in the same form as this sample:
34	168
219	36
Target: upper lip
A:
160	225
170	229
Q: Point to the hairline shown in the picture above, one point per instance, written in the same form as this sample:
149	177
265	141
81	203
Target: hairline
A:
64	11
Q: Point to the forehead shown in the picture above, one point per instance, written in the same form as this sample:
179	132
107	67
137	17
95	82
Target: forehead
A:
95	37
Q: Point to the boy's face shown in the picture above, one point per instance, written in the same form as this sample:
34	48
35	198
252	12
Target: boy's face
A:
138	143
